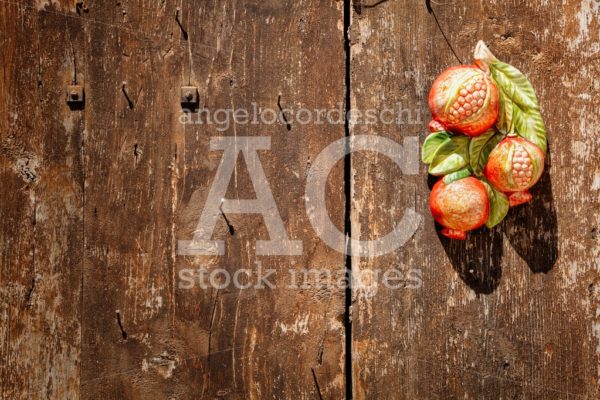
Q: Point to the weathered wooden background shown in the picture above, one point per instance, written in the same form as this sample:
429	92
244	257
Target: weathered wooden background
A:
93	201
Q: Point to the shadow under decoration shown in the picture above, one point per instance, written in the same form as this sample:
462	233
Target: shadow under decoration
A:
532	231
477	259
487	148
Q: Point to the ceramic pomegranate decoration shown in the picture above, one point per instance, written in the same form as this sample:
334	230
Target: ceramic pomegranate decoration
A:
464	99
459	206
514	166
487	141
435	126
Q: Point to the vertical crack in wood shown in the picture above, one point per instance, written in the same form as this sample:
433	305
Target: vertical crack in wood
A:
321	351
347	210
285	120
212	322
83	226
120	323
30	292
74	80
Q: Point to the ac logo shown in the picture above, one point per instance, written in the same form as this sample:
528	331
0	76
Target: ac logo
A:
404	156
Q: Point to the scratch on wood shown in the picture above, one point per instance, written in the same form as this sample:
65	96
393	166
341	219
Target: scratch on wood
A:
316	383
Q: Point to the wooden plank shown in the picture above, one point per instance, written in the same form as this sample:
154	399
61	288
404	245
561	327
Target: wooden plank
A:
264	343
510	313
147	178
41	205
133	76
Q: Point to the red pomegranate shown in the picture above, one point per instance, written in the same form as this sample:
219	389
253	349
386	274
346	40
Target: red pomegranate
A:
514	166
464	99
459	206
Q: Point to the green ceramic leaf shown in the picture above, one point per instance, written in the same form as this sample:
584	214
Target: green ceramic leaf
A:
498	205
432	144
505	114
529	124
514	84
454	176
518	110
480	148
451	156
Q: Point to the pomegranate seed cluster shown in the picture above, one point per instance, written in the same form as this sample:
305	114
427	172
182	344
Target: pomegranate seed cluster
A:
522	170
471	98
464	100
514	165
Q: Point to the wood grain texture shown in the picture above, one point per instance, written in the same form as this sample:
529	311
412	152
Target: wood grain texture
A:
147	178
510	313
257	343
41	234
133	74
94	200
